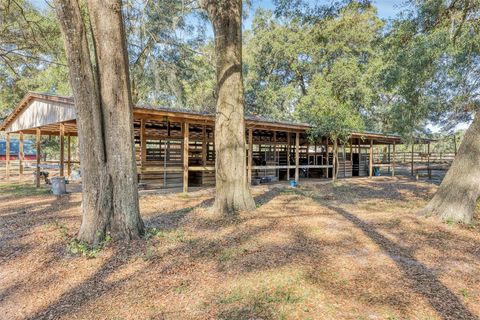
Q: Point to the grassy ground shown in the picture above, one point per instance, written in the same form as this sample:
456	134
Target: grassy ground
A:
21	189
353	250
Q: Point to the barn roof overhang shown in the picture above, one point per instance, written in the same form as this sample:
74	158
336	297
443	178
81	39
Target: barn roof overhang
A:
52	127
140	111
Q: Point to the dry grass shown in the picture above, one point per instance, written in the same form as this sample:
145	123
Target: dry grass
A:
353	250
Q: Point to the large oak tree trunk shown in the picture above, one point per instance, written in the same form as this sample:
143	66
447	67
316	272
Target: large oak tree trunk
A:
457	196
232	189
117	110
104	167
96	184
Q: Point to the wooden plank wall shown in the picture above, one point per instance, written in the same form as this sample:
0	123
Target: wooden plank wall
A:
344	163
162	167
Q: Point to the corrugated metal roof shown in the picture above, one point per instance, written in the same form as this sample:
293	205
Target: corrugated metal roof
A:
69	99
256	118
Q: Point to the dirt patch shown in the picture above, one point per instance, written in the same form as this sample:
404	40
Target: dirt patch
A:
351	250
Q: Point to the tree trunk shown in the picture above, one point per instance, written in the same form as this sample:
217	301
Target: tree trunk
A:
335	160
98	158
232	189
457	196
117	109
96	185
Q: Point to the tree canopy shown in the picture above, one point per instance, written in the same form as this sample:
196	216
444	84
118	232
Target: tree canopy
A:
31	53
339	67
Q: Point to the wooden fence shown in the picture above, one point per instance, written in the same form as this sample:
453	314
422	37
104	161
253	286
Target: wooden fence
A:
418	157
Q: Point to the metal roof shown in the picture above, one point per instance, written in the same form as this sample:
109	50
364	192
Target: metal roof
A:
181	112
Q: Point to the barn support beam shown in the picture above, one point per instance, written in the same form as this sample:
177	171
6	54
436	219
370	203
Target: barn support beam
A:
288	156
394	159
250	155
370	159
143	144
412	164
428	161
389	158
327	158
350	142
69	155
359	150
297	156
62	150
20	154
204	145
307	155
185	156
38	135
275	158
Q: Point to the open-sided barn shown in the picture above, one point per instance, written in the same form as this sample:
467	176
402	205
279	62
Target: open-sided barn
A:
175	148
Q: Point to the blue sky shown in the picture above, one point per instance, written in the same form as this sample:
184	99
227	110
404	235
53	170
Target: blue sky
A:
386	8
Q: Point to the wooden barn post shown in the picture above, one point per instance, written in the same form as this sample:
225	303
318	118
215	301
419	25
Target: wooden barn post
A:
412	165
37	168
250	155
389	159
143	144
297	156
350	142
69	155
327	156
185	156
428	161
20	154
394	159
308	159
62	150
370	159
275	158
288	156
204	145
359	156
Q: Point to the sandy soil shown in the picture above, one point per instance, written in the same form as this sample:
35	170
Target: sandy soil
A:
353	250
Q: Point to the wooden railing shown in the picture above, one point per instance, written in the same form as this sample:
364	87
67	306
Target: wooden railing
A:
418	157
29	167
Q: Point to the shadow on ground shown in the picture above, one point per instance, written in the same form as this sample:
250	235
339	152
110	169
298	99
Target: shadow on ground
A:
268	242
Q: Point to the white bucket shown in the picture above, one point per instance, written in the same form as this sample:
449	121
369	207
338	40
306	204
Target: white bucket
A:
58	185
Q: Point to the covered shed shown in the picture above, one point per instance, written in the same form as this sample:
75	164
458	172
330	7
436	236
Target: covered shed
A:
175	148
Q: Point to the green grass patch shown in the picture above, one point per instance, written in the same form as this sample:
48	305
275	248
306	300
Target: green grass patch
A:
266	295
81	248
265	303
171	236
450	222
22	189
231	253
226	255
62	229
182	287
